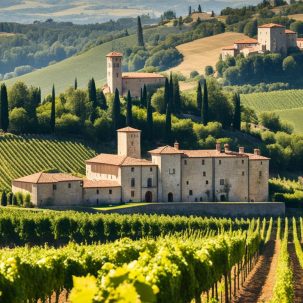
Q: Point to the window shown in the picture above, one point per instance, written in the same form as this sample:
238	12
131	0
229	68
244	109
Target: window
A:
190	192
201	199
206	182
203	162
243	173
150	169
110	191
242	161
185	162
172	171
81	184
69	185
204	174
222	182
261	163
149	182
260	174
117	75
97	191
54	186
220	162
132	169
132	182
187	182
132	193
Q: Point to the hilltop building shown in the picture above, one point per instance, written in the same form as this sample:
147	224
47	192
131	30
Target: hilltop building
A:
172	175
125	82
272	38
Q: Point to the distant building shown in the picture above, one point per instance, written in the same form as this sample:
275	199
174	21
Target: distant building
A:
172	175
125	82
272	38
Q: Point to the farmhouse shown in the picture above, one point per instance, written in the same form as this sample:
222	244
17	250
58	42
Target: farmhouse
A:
125	82
172	175
272	38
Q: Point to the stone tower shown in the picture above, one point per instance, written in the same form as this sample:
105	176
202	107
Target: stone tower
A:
129	142
114	71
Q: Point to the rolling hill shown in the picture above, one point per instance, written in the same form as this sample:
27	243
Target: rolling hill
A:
202	52
24	155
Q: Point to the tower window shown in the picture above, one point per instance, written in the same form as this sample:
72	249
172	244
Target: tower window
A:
132	193
190	192
132	169
110	191
206	182
242	161
149	182
69	185
132	182
203	162
185	162
243	173
220	162
54	186
97	191
204	174
222	182
150	169
260	174
187	182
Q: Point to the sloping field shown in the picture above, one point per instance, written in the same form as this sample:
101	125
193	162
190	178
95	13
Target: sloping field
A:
24	155
297	17
84	66
202	52
293	116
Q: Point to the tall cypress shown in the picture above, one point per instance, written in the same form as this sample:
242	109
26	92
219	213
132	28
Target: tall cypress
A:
4	122
199	98
166	92
92	95
140	32
199	9
53	111
171	93
205	117
189	11
76	84
177	96
129	113
144	96
168	124
116	113
237	112
150	122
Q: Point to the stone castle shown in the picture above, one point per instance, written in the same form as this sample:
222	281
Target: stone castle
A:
172	175
125	82
272	38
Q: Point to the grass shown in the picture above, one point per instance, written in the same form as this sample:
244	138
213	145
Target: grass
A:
205	51
114	207
293	116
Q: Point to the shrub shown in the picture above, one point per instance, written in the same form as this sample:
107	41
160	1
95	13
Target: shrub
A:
193	74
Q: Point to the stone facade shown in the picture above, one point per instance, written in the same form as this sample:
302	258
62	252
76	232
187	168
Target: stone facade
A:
172	175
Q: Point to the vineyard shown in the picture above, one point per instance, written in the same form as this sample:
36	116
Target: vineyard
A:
25	155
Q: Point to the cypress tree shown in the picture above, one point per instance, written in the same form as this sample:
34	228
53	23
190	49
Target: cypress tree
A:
92	95
237	112
166	92
4	117
177	96
199	9
205	117
76	84
116	113
53	111
141	96
168	124
150	122
129	113
4	199
140	32
199	98
189	11
171	93
144	97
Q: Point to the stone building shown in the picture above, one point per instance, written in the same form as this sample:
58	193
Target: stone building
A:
172	175
125	82
272	38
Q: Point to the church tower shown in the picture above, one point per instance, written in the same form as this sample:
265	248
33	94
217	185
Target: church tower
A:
114	71
129	142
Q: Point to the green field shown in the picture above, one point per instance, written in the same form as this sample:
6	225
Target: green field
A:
287	104
22	155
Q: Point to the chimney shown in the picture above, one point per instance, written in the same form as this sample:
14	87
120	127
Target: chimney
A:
177	145
257	151
218	147
241	150
226	148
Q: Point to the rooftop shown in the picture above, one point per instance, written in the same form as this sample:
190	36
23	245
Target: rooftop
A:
231	47
166	150
246	41
290	32
141	75
114	54
129	129
48	178
271	25
100	184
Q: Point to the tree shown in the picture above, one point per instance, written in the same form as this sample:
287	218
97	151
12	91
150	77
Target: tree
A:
53	111
129	113
177	96
209	70
199	9
76	84
199	98
116	112
251	28
92	96
205	118
168	124
149	119
4	199
19	120
189	11
140	33
101	99
171	92
4	122
166	92
144	97
237	112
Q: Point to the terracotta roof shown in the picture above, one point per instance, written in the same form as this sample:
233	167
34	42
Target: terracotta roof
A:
246	41
47	178
289	32
114	54
119	160
229	48
271	25
299	39
256	157
168	150
141	75
211	154
129	129
100	183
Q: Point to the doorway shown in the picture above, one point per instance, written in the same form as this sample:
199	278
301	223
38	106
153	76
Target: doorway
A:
148	196
170	197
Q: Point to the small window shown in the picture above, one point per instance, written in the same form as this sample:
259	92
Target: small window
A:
185	162
242	161
190	192
206	182
187	182
69	185
260	174
54	187
243	173
132	169
222	182
203	162
220	162
204	174
172	171
110	191
97	191
149	182
201	199
132	193
132	143
132	182
117	75
150	169
261	163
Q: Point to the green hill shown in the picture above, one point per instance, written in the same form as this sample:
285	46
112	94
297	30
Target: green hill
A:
24	155
287	104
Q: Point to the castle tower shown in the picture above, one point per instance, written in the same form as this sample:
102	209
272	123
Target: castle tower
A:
114	71
129	142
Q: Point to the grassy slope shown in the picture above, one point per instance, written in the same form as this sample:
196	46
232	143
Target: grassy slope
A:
287	104
24	155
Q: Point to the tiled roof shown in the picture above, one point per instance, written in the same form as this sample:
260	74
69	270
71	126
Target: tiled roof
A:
299	39
288	31
168	150
47	178
119	160
129	129
229	48
211	154
100	183
114	54
141	75
256	157
271	25
246	41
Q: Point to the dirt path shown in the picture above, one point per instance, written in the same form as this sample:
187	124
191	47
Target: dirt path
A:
298	273
259	284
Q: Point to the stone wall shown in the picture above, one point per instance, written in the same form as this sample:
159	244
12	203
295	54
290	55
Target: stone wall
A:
268	209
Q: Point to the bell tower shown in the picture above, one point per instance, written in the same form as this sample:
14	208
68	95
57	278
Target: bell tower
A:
114	71
129	142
